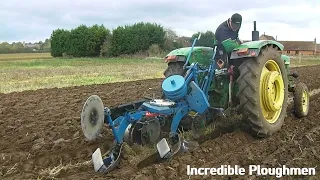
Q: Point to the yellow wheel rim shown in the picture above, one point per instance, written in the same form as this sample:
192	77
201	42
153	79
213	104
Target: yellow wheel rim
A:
305	101
272	91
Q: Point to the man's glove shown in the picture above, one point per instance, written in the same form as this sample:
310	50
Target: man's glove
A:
239	41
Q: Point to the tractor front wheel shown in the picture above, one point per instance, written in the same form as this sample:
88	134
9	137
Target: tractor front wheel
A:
174	68
263	91
301	100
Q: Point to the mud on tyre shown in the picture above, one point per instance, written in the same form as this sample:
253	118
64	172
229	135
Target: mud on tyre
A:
263	92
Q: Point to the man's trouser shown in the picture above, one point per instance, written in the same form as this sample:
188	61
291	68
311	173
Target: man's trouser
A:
221	57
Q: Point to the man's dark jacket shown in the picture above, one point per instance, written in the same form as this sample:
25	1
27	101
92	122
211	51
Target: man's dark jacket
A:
223	32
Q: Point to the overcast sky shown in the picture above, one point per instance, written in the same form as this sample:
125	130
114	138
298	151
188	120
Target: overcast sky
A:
34	20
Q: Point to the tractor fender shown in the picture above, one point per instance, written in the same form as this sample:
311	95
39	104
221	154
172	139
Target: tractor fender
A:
286	59
252	48
181	54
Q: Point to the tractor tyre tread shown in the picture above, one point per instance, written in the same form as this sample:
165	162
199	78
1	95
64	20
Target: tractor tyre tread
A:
248	93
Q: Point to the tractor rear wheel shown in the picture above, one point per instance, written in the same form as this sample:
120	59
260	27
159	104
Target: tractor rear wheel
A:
263	92
174	68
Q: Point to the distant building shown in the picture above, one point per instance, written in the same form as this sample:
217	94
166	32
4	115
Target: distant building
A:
266	37
296	47
34	46
299	47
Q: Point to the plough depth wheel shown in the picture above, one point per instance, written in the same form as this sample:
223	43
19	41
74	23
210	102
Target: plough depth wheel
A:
92	117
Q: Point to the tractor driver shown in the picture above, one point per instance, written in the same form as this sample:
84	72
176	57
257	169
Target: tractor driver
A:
229	29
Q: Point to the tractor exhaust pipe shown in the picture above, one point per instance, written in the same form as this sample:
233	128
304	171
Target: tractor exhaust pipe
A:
255	33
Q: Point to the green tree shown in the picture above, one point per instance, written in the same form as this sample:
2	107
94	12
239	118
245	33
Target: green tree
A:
59	42
138	37
17	47
97	37
77	41
172	40
207	39
5	47
46	45
82	41
105	47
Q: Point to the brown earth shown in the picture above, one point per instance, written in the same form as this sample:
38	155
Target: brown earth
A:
41	130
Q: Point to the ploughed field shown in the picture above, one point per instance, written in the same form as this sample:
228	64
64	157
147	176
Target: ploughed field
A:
41	136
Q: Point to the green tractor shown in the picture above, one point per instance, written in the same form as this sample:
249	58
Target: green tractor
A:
253	79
